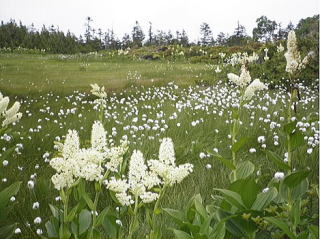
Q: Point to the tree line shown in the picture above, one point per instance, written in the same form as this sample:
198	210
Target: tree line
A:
53	40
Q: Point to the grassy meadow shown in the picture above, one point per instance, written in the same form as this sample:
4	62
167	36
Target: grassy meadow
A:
146	101
45	73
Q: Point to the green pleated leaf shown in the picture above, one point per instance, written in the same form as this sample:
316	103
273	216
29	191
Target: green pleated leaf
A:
277	160
264	199
181	234
228	163
282	225
84	221
296	178
244	169
232	197
239	144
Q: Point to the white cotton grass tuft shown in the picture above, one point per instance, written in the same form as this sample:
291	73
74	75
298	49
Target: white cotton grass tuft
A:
279	175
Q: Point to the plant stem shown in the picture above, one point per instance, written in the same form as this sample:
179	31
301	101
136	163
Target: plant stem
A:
289	115
233	136
233	140
95	204
65	205
133	222
156	206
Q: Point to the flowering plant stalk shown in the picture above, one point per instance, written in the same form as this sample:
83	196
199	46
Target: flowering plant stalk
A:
9	116
98	91
247	91
293	67
146	183
75	167
98	165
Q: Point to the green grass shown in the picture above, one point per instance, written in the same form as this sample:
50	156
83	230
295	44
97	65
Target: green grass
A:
46	81
40	74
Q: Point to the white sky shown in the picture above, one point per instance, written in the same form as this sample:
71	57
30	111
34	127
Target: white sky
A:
221	15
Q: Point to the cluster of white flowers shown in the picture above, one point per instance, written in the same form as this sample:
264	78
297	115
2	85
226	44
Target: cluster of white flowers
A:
253	87
64	165
87	163
242	58
123	52
292	55
243	80
139	181
280	48
142	178
10	115
100	103
98	91
166	168
222	55
115	156
217	70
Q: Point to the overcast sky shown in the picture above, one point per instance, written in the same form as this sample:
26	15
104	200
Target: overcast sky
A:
221	15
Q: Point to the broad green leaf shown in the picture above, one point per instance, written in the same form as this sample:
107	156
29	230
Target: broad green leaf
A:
88	200
296	140
296	178
82	191
282	225
244	169
300	189
96	234
232	225
232	197
101	216
314	230
248	189
74	229
84	221
277	160
7	193
181	235
293	194
228	163
239	144
219	231
64	232
204	228
296	212
199	207
178	216
219	228
110	226
264	199
55	211
245	227
290	127
72	213
193	228
51	230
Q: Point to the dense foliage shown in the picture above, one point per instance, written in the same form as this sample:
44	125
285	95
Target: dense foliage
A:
53	40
